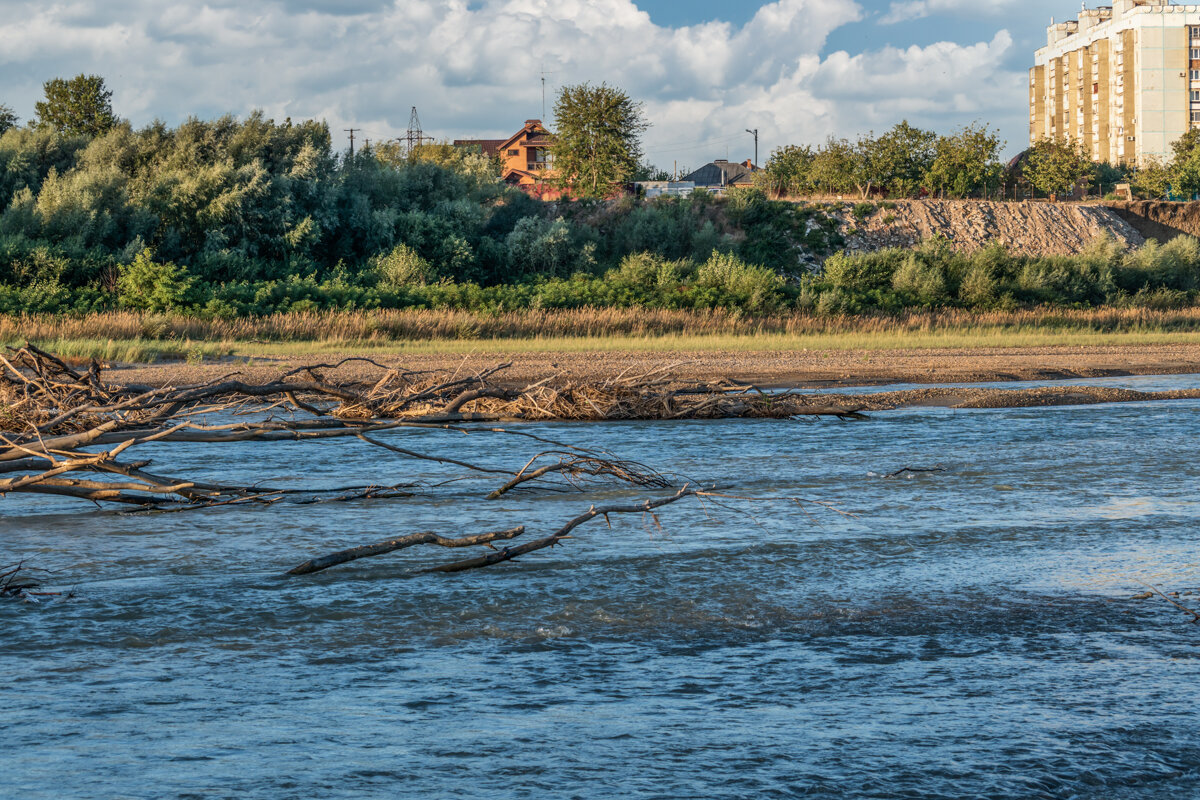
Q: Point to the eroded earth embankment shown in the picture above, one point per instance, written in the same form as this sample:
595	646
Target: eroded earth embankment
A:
1158	220
1027	228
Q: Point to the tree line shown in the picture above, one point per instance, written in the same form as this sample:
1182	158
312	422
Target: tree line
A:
907	161
229	217
902	162
237	216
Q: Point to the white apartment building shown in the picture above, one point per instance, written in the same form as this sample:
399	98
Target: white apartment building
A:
1122	79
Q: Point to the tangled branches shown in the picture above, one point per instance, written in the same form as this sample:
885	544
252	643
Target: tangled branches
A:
56	411
17	582
69	432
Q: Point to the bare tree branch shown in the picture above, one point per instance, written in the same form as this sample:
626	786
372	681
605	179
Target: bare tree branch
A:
392	545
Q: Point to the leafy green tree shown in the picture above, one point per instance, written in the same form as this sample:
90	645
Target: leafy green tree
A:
788	170
471	164
902	158
1152	180
649	172
598	143
1058	166
866	165
832	168
1106	176
402	267
7	118
1185	169
967	162
81	106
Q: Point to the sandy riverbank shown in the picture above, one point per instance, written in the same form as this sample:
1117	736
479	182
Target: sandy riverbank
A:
797	369
777	370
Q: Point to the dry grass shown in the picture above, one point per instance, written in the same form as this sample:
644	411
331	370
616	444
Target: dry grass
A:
129	337
424	325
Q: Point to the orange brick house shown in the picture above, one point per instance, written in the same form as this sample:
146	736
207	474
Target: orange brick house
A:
525	155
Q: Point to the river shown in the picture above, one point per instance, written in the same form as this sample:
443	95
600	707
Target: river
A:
970	633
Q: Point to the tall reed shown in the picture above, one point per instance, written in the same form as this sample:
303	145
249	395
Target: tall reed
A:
436	325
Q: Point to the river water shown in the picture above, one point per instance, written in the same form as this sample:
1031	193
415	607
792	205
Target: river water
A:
970	633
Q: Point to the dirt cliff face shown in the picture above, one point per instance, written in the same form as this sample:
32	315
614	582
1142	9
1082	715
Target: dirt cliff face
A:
1159	220
1025	228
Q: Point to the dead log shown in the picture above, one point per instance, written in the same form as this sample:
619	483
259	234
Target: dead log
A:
404	542
510	553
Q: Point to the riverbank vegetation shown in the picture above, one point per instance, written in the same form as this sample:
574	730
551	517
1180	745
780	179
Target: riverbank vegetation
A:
227	219
931	276
132	337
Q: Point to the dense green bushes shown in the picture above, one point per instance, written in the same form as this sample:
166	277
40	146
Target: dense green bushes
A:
933	275
930	276
229	217
255	202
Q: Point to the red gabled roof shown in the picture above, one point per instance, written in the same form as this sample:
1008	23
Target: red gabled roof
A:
533	128
489	147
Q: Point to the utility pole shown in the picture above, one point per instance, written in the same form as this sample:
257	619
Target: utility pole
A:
754	133
352	131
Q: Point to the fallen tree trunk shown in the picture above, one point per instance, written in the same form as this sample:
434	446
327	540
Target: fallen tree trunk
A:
392	545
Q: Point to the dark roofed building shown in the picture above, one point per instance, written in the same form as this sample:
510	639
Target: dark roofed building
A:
489	147
720	174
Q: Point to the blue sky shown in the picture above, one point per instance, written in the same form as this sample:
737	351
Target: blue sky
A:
799	70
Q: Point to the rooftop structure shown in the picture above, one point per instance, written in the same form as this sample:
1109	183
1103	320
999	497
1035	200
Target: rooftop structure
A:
721	173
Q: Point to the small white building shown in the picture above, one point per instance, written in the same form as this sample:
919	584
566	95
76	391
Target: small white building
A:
652	189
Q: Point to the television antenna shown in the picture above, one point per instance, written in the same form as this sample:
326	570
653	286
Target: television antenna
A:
544	76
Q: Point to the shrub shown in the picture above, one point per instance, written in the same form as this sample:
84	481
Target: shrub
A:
982	276
147	285
649	269
403	266
544	247
1174	265
862	273
753	288
863	210
922	279
979	286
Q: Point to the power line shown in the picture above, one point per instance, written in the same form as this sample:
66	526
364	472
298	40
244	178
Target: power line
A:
698	142
352	131
701	146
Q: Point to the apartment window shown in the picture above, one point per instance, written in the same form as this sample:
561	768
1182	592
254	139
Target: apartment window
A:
1196	116
514	152
1196	74
1195	31
1196	95
1196	54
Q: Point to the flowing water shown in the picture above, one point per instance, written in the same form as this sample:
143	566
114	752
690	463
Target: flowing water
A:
970	633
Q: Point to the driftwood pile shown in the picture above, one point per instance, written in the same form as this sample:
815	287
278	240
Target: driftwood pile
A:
69	432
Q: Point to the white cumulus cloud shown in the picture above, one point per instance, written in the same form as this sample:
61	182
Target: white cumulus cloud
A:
905	10
474	67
